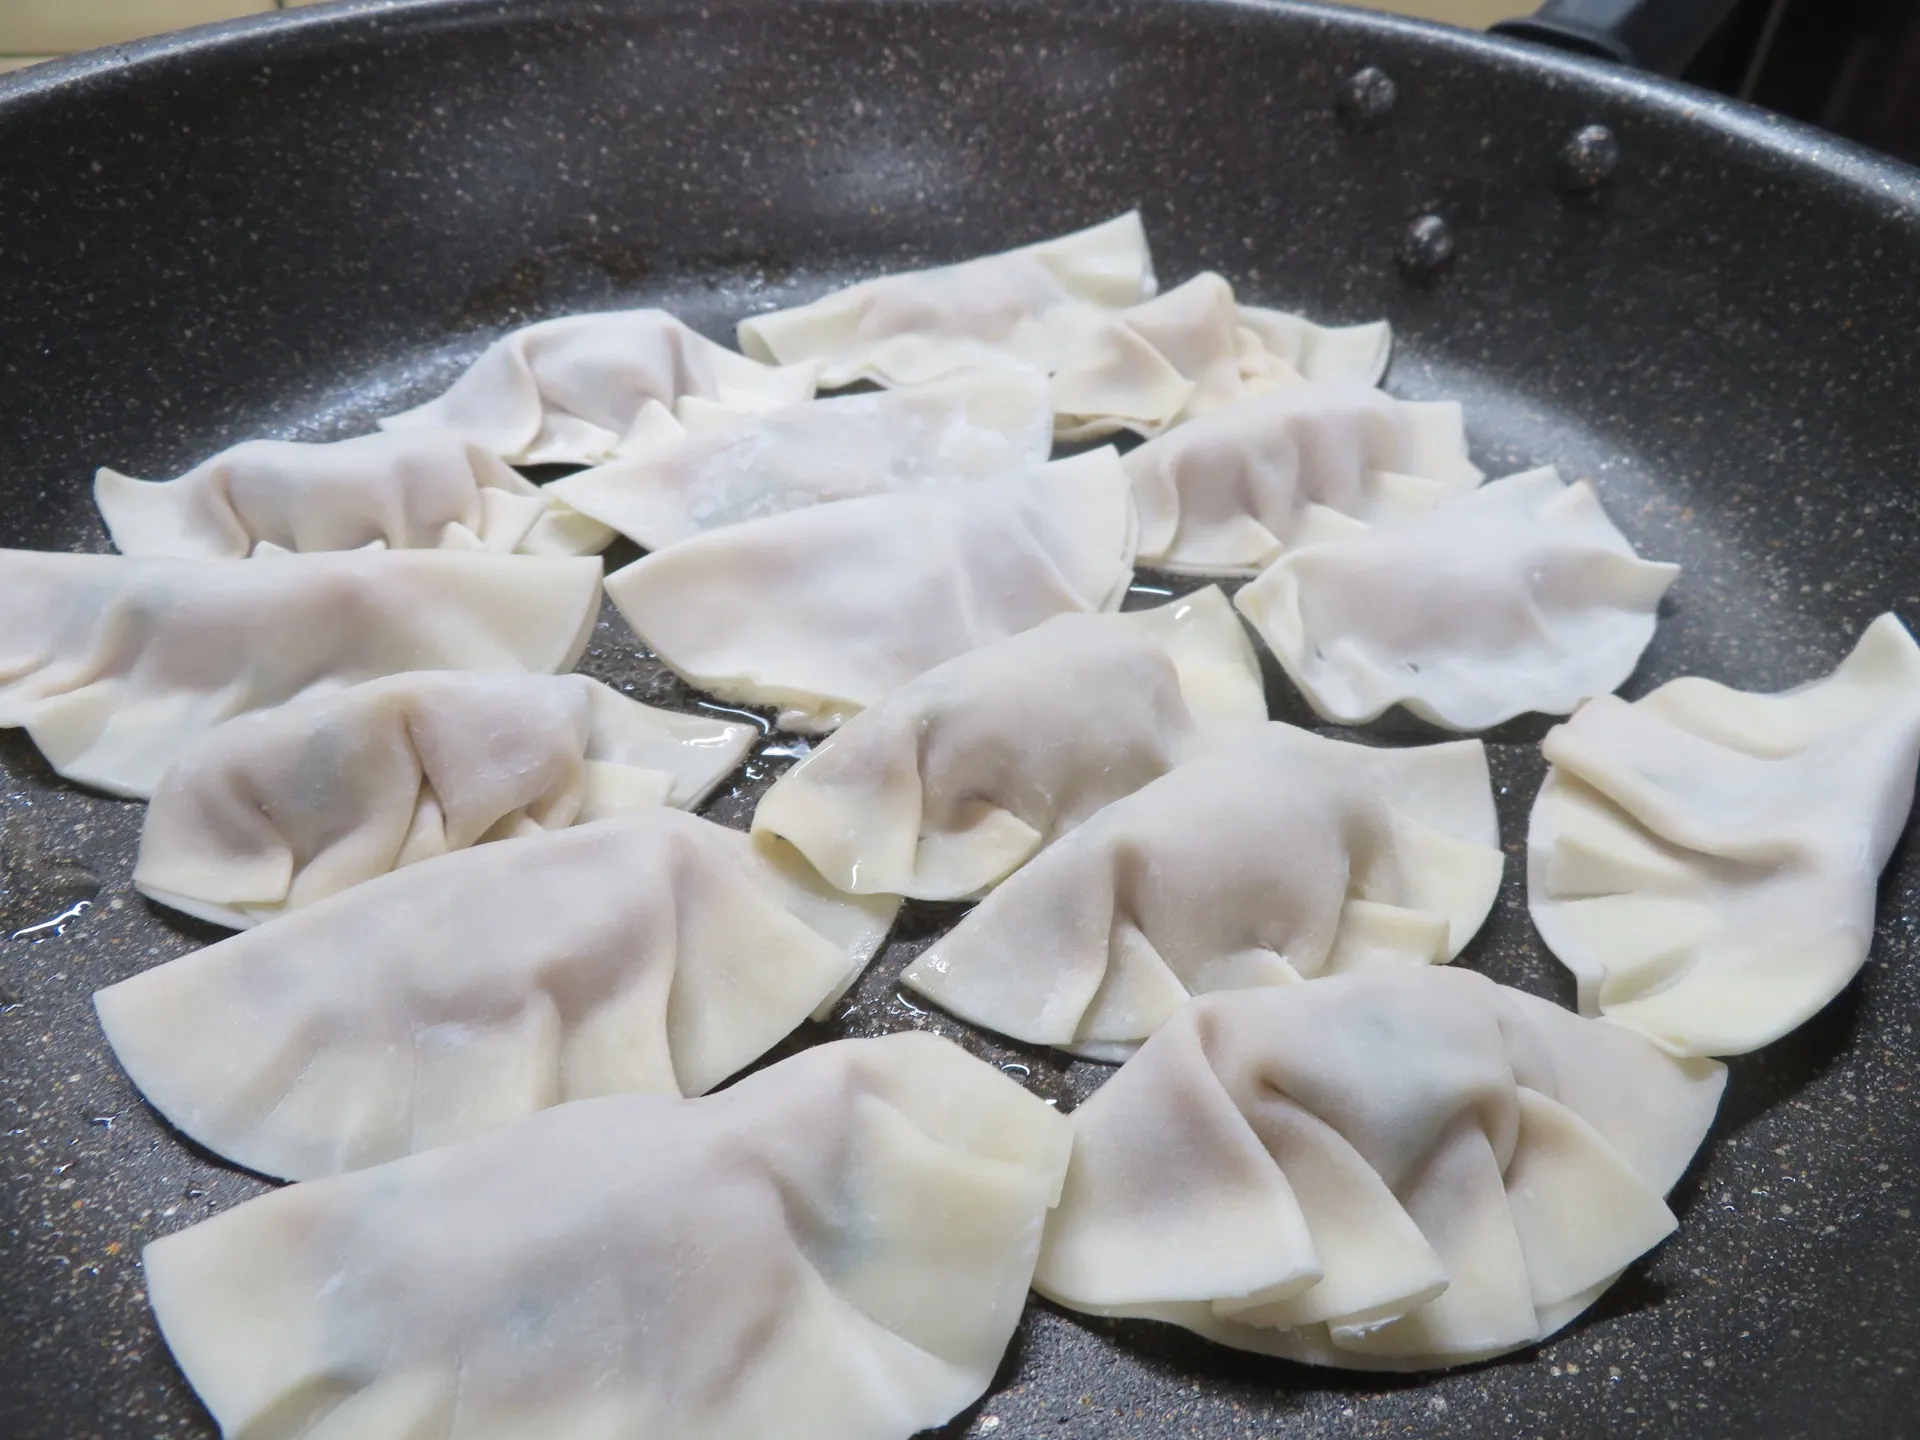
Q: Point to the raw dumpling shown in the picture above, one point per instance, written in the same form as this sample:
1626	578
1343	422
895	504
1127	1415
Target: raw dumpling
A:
837	1248
115	664
957	778
1518	596
1704	860
1227	493
279	808
411	490
1193	350
567	391
653	951
1035	308
1377	1172
1283	857
824	611
677	482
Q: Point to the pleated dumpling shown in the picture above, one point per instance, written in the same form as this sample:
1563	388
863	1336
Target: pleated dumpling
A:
837	1248
949	784
653	951
409	490
677	480
282	807
567	391
1284	856
1705	860
1228	493
1195	350
822	612
115	664
1519	596
1032	308
1377	1172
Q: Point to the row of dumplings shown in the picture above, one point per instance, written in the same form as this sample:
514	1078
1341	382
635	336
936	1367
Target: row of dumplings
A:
497	952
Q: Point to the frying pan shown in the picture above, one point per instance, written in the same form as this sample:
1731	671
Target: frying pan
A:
288	228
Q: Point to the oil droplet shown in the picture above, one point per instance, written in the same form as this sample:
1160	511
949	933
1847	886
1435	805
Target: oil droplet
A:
1587	160
1365	97
1426	246
47	929
766	725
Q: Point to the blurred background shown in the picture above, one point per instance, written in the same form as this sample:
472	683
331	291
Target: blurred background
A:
1849	66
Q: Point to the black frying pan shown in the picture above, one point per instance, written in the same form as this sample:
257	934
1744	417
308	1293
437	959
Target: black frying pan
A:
287	228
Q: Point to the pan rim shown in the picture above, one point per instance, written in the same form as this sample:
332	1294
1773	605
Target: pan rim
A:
1791	145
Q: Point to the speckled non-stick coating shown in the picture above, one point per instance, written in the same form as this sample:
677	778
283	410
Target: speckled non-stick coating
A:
289	228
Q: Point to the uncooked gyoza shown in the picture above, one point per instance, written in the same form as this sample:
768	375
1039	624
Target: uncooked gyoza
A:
653	951
837	1248
282	807
567	391
675	481
410	490
1395	1172
1282	857
1227	493
1192	351
1033	308
115	664
1518	596
1704	860
959	776
823	611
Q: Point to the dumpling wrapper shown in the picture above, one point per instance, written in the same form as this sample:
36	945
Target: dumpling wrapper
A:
409	490
116	664
567	391
1519	596
960	776
822	612
277	809
1382	1172
674	482
836	1248
651	952
1281	857
1228	493
1194	350
1705	860
1034	308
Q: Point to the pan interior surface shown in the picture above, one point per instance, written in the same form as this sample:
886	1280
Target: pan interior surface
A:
287	229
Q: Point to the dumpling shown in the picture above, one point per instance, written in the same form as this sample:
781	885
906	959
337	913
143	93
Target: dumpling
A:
1518	596
949	784
410	490
824	611
282	807
678	481
1193	350
652	951
1377	1172
115	664
1035	307
1704	860
837	1248
1283	857
1227	493
567	391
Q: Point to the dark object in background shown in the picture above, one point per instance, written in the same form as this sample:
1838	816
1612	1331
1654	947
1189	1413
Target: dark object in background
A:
1849	66
287	227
